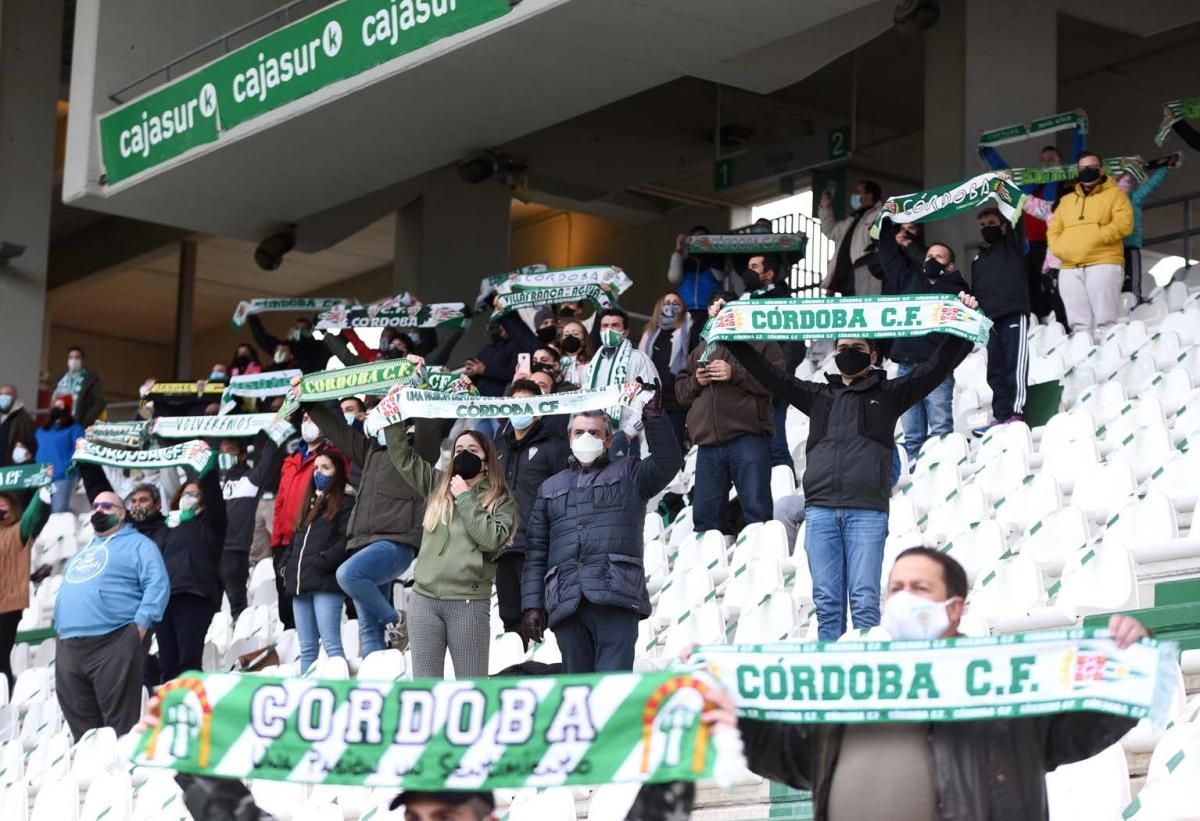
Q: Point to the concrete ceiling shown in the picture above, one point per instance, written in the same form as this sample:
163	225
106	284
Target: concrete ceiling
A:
546	62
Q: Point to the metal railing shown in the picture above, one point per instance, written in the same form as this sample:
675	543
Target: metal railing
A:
807	274
1184	203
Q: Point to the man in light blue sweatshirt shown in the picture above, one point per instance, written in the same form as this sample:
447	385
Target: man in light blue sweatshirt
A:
113	591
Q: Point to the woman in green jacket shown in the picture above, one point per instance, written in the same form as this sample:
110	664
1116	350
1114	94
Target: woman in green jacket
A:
469	517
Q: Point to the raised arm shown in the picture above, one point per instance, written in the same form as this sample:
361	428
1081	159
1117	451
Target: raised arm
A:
94	480
261	337
1151	184
214	501
521	335
338	345
34	518
1188	134
416	471
794	391
655	472
334	428
267	457
932	372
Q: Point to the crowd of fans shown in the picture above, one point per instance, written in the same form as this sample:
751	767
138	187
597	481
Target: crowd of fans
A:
550	509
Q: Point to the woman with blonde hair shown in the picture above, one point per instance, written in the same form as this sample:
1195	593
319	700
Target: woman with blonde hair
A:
576	345
469	517
666	343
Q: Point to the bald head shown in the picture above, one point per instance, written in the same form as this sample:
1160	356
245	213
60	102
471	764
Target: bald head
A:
107	505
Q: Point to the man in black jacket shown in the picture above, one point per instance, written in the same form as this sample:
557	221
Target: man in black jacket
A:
948	771
1002	288
911	268
767	277
300	350
847	482
241	485
531	449
583	555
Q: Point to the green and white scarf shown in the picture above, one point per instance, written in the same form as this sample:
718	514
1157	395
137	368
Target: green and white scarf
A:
296	304
542	731
746	243
442	380
418	404
24	477
369	378
618	372
1042	174
195	454
877	317
489	284
959	679
1027	131
207	427
119	434
257	386
602	275
394	313
951	200
1174	111
196	389
526	297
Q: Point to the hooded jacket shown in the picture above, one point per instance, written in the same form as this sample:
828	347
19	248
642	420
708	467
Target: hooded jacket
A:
852	427
388	508
1089	228
720	412
457	559
585	531
192	550
318	550
903	271
983	770
998	276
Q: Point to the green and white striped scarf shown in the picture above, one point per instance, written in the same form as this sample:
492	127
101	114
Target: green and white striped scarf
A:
394	313
195	454
527	297
746	243
24	477
951	200
1041	174
1027	131
1174	111
291	304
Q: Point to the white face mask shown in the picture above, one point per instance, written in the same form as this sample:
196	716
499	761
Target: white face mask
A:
188	501
74	365
20	454
281	356
907	616
587	448
350	418
381	439
309	431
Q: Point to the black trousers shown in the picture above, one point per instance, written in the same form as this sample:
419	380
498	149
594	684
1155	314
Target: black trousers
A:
8	635
181	634
235	573
279	560
597	638
509	568
99	680
1008	365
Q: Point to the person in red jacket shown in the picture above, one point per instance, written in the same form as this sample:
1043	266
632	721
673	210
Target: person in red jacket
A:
294	478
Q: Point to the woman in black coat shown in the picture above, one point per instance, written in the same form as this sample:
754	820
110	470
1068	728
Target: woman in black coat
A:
318	549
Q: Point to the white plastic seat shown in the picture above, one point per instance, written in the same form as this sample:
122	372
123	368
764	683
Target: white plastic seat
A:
1103	489
58	804
1148	529
1046	368
963	508
783	482
1104	400
317	810
1001	473
1179	479
931	486
764	539
1095	788
772	620
1068	459
1174	771
1078	423
261	587
95	754
109	798
682	593
279	798
1184	324
1075	382
1010	589
14	800
750	583
287	646
1171	388
711	553
1145	736
329	668
1000	438
49	762
949	448
1077	347
653	527
1101	579
1052	541
1165	346
902	516
1133	416
704	625
976	548
1145	451
34	684
349	631
1035	498
507	649
612	802
42	719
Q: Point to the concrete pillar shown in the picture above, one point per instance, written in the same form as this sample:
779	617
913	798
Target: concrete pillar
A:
185	304
30	45
986	65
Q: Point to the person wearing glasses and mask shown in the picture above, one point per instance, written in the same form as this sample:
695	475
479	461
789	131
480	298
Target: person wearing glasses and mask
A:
619	363
113	590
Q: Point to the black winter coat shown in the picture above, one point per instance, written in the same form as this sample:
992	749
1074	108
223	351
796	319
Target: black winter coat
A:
527	463
903	274
852	427
241	486
499	364
387	508
584	539
983	770
998	276
318	550
192	550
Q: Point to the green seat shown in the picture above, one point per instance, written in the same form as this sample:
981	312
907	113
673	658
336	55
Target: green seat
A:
1183	591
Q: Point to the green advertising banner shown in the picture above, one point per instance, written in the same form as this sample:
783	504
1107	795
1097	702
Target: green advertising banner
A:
337	42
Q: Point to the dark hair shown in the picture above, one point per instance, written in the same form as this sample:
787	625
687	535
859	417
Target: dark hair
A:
550	348
699	229
305	320
773	262
871	346
75	349
527	385
179	493
953	574
612	312
14	506
872	188
1050	147
990	211
1083	155
237	443
949	250
146	487
728	296
330	502
361	405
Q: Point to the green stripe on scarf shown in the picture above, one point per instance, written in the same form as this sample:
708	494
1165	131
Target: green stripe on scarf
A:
1186	109
195	454
24	477
119	434
879	317
746	243
1041	174
1027	131
392	313
298	304
441	735
529	297
959	679
951	200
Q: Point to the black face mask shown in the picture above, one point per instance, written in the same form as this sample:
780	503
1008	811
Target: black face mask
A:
571	344
56	414
751	278
566	312
992	234
1089	173
932	268
467	465
497	334
102	521
547	334
851	361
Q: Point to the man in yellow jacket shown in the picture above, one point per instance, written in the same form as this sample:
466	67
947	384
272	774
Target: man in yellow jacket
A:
1086	233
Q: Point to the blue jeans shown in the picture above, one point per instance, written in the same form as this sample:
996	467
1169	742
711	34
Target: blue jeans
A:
746	463
845	558
60	494
780	454
367	578
931	416
318	621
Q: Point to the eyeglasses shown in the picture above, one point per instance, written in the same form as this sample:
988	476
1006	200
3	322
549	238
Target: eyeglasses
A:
103	506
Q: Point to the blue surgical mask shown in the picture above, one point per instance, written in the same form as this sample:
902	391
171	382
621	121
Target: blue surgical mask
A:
216	376
855	202
321	480
350	418
521	422
5	403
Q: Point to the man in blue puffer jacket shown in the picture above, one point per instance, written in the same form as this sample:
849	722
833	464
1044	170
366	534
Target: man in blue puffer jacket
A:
583	556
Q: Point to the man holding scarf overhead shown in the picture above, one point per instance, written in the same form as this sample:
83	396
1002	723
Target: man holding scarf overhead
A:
618	363
849	274
978	770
